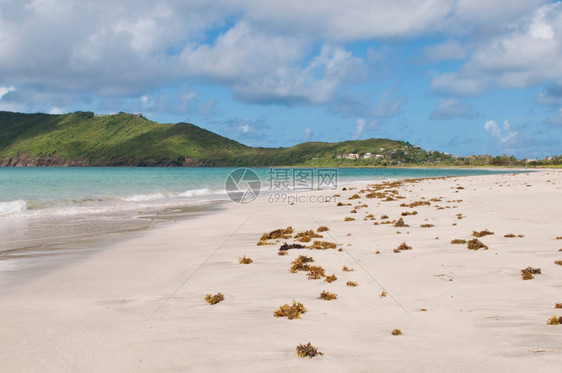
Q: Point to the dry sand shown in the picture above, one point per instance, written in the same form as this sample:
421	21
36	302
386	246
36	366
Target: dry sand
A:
138	306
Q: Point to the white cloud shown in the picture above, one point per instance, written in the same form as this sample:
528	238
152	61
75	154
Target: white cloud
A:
493	129
290	52
453	84
103	47
349	21
56	110
317	83
241	53
525	55
359	126
552	95
388	106
485	18
307	133
5	90
247	130
145	100
451	108
450	50
176	102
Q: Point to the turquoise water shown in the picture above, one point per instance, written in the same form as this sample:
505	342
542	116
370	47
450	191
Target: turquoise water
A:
50	206
41	191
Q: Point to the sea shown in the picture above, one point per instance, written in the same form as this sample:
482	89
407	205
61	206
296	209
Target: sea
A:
48	212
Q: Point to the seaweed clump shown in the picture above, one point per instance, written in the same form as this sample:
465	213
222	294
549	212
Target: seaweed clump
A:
245	260
483	233
427	225
315	273
275	235
407	213
322	229
458	241
326	295
380	195
475	244
291	312
347	218
214	299
300	264
559	262
511	235
323	245
415	204
554	320
307	236
402	247
396	332
347	269
351	283
330	278
527	273
287	246
400	223
307	350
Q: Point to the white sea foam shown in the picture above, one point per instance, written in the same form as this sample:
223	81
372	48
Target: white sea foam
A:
144	197
12	207
109	204
159	196
196	193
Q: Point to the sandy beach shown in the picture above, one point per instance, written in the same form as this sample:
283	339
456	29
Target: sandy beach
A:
139	305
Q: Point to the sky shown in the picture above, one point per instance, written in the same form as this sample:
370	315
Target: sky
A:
463	76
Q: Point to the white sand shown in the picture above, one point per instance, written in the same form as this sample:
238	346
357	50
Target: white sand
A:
98	314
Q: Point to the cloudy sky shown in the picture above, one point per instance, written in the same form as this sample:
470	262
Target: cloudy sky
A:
464	76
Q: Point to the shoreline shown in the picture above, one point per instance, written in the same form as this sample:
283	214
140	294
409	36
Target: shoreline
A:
532	167
35	244
140	306
29	262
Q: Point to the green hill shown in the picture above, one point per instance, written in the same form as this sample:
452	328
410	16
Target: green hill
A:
85	139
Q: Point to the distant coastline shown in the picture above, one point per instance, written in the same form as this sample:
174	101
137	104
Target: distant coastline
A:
84	139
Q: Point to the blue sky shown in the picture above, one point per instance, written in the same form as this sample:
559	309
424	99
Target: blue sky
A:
464	77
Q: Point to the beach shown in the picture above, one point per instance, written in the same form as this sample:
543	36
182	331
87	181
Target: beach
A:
139	304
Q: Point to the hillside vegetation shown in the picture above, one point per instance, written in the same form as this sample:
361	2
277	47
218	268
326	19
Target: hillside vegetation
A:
118	140
84	139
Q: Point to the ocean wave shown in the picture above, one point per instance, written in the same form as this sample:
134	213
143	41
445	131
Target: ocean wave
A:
144	197
197	193
108	204
12	207
160	195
